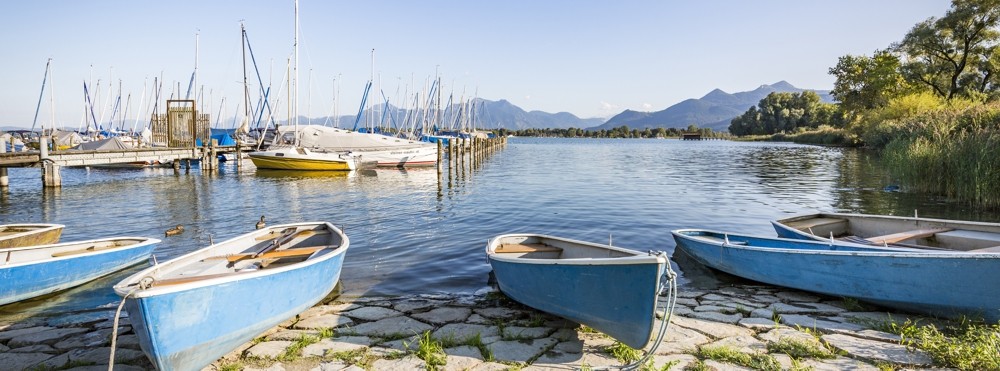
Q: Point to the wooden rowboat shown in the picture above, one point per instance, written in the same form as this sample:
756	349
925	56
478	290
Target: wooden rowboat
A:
923	233
943	283
610	289
18	235
31	271
192	310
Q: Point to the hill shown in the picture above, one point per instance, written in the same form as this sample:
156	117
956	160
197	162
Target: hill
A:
714	110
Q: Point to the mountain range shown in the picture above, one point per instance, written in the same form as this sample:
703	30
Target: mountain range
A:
714	110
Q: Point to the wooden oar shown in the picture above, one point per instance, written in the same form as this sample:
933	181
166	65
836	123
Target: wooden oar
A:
270	254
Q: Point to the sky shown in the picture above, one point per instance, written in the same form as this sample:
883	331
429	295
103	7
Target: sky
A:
589	58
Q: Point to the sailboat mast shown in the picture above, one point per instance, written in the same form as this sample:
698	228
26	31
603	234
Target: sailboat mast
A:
41	94
295	81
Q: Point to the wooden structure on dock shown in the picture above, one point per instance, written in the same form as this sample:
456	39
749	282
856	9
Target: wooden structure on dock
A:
182	126
691	136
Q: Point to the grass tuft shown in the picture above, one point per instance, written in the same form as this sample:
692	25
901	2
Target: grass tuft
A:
623	353
796	349
734	356
293	351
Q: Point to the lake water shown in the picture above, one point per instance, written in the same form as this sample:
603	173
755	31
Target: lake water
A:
413	232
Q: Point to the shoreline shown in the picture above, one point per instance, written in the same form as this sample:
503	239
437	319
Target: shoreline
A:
487	331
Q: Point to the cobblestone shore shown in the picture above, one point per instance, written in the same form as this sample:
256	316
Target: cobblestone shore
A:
486	331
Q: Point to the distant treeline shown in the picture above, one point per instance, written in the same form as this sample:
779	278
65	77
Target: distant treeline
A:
618	132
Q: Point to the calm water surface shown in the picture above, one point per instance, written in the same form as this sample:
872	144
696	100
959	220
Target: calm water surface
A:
413	232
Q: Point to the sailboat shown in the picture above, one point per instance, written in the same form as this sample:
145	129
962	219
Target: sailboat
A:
289	154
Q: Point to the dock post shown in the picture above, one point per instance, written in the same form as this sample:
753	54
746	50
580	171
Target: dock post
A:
440	155
239	156
4	180
50	171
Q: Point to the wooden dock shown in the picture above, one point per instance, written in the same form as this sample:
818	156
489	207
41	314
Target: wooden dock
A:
51	162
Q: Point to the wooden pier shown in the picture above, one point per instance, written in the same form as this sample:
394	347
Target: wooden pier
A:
51	162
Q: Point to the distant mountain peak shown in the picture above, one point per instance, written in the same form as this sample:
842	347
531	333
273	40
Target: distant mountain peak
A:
783	85
716	93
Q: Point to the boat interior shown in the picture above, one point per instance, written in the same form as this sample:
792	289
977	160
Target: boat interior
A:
44	252
277	248
533	247
927	235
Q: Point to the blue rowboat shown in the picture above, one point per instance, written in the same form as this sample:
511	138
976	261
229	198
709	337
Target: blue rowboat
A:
610	289
31	271
924	233
943	283
192	310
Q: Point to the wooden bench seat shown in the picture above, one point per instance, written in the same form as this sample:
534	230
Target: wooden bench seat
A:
526	247
807	224
903	236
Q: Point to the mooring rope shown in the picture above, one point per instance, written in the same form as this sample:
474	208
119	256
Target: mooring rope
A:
670	283
114	333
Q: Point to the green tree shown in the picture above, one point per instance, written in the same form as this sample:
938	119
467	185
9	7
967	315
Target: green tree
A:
954	55
865	83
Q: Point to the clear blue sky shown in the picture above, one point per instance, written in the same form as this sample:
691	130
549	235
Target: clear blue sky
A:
589	58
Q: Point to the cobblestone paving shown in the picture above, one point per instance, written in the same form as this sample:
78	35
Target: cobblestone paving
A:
486	331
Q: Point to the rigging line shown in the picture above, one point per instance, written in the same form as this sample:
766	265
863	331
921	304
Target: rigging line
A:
41	94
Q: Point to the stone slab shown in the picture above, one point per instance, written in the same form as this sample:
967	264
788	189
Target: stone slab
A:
443	315
519	350
877	351
372	313
392	326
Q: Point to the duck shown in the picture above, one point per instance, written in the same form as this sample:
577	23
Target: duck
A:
174	231
261	224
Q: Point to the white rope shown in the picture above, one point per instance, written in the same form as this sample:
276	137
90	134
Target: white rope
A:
114	333
670	281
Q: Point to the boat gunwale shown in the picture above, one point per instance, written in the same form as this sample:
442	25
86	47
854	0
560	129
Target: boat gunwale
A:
849	216
878	251
128	285
144	241
637	258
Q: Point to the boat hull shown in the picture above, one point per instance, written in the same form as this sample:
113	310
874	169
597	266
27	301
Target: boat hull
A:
616	296
938	283
291	159
187	327
31	279
18	235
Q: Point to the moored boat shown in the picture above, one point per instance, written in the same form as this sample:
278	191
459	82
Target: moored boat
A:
29	234
944	283
31	271
939	234
610	289
300	158
189	311
370	148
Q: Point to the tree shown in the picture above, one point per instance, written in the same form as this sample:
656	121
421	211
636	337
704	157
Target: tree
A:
864	83
954	55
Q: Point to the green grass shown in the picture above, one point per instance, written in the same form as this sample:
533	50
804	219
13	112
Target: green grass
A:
358	357
431	351
963	344
734	356
293	351
798	349
698	366
231	366
623	353
327	332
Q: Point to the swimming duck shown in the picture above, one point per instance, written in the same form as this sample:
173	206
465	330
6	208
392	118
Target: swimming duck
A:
261	224
174	231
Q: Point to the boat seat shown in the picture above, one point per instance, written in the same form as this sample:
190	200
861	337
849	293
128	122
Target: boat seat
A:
805	225
902	236
987	249
526	247
964	239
